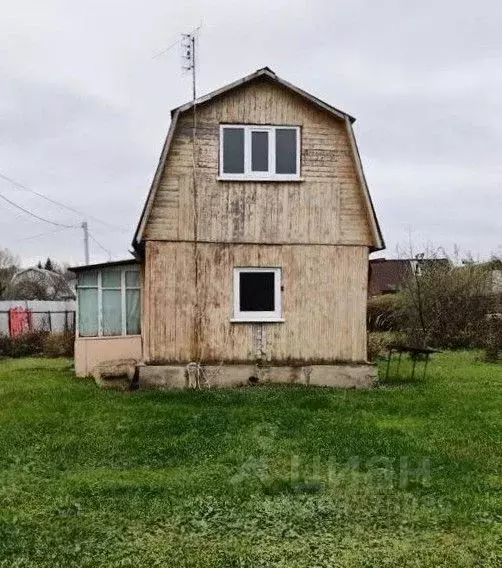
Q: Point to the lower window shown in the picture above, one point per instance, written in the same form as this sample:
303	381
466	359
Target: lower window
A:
257	294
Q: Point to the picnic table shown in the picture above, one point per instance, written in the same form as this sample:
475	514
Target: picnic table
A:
415	352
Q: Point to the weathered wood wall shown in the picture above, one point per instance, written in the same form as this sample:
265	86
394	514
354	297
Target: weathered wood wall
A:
324	303
316	230
327	207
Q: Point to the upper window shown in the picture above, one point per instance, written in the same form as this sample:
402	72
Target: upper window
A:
257	294
109	302
252	152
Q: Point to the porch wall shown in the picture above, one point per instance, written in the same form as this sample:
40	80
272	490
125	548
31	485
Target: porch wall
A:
90	351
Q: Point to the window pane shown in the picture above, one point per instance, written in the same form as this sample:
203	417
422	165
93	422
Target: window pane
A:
285	151
88	278
132	312
88	312
110	278
233	150
259	151
257	292
112	312
132	279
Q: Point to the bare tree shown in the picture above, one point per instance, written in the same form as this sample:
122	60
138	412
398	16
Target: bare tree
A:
9	264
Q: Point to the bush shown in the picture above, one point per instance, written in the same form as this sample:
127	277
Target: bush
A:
384	313
446	306
378	343
37	343
59	344
493	339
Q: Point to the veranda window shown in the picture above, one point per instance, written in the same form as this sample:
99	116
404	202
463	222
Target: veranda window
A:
109	302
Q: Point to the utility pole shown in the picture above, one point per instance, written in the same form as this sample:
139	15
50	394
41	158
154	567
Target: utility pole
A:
85	227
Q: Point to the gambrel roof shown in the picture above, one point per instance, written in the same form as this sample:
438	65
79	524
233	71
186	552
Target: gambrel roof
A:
268	74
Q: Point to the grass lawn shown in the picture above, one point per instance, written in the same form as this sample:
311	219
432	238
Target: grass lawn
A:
404	475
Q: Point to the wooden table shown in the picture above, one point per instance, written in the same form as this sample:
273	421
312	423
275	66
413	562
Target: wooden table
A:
415	353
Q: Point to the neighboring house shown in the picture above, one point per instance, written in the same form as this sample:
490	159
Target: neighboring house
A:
40	284
251	250
388	276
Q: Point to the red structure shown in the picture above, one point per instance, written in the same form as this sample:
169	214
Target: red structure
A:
19	321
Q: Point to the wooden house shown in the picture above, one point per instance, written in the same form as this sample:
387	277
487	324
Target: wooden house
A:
252	248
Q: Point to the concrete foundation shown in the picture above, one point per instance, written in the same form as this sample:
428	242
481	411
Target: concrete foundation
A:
231	375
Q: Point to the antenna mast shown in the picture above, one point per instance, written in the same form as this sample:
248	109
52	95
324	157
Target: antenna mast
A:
188	43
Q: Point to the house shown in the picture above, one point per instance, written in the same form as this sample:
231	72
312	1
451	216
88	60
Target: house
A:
251	253
388	276
40	284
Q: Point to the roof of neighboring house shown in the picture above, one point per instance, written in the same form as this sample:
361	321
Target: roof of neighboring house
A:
389	275
268	74
110	264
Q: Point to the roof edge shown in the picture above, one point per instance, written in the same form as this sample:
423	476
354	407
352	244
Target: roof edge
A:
145	213
264	72
111	263
376	232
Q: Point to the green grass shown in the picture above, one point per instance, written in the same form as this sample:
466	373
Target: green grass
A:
266	476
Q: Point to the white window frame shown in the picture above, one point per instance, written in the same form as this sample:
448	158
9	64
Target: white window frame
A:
249	174
264	317
99	288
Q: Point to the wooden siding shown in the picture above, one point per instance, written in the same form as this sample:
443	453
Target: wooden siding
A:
324	303
326	208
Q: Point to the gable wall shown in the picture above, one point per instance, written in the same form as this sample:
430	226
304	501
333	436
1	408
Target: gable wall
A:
326	208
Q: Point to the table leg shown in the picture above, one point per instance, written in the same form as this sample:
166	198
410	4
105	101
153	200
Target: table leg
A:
399	363
426	363
388	364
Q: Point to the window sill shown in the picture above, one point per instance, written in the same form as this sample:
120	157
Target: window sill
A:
261	320
261	179
101	337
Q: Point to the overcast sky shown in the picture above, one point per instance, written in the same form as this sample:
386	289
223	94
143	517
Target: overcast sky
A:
84	107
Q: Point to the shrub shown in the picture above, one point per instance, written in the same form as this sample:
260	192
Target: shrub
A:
378	343
59	344
446	305
384	313
37	343
493	338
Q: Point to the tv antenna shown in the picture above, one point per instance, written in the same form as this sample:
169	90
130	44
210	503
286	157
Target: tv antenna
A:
188	59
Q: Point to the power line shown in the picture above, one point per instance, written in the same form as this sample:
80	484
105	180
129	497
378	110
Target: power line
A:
45	234
19	185
101	246
35	215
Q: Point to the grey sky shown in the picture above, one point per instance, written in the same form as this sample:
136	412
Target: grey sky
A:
84	108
